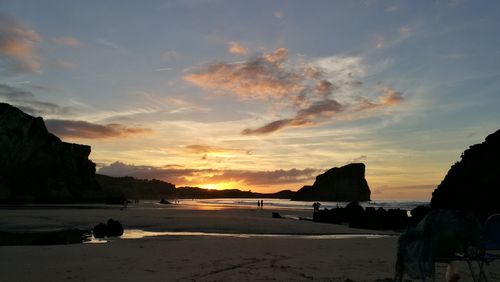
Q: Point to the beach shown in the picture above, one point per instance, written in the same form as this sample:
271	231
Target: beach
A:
203	243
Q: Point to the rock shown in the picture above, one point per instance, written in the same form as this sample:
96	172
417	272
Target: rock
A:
36	166
473	183
112	229
369	218
100	230
344	184
115	228
418	213
165	202
276	215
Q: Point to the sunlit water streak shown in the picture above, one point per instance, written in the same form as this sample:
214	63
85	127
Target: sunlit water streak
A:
287	204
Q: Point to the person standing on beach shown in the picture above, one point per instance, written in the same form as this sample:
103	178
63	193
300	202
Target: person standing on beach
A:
258	203
261	203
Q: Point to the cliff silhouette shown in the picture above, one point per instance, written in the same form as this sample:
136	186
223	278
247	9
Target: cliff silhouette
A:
36	166
473	183
341	184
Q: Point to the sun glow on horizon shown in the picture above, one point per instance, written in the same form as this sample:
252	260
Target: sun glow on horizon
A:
221	186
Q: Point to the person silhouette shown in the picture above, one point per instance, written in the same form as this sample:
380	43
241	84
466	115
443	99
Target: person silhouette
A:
258	203
261	203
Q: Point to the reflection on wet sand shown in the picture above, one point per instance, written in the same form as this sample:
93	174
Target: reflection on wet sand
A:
138	234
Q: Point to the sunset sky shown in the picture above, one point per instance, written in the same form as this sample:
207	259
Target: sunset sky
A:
259	95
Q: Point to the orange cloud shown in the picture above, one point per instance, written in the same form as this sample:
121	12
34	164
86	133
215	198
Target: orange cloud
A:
205	149
307	88
83	129
60	64
17	46
313	115
263	78
186	176
389	97
68	41
236	48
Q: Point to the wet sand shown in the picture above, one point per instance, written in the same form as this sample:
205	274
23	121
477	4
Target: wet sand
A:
199	258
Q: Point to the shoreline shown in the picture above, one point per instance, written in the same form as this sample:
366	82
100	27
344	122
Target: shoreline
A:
178	257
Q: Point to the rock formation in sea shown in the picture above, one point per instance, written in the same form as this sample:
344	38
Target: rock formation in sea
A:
36	166
342	184
473	183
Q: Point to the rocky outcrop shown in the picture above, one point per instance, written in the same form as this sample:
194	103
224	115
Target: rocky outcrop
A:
36	166
473	183
341	184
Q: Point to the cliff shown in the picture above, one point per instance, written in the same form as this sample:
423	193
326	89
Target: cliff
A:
116	188
341	184
36	166
473	183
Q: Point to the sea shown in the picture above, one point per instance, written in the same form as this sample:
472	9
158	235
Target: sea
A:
287	204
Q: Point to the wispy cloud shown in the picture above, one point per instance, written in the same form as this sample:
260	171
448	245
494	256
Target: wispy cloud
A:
67	41
236	48
18	46
206	149
315	90
87	130
279	15
27	102
186	176
62	64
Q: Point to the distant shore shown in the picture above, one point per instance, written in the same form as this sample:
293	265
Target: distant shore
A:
197	258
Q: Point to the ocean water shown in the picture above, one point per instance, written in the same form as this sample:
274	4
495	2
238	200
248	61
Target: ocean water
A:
287	204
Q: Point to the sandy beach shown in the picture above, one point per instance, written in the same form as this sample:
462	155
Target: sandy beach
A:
297	255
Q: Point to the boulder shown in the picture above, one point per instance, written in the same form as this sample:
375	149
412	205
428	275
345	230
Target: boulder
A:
341	184
473	183
113	229
36	166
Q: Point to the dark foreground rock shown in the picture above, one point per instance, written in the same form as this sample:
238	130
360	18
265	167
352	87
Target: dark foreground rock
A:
112	229
60	237
341	184
370	218
37	167
473	183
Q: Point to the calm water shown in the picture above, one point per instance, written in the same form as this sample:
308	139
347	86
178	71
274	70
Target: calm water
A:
286	204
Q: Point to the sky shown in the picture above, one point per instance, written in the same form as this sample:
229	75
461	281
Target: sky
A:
259	95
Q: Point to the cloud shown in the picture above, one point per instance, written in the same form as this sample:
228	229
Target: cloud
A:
67	41
315	91
279	15
313	115
389	97
205	149
186	176
236	48
261	78
17	47
84	129
61	64
27	102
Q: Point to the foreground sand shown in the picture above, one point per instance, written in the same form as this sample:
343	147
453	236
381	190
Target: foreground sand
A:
199	258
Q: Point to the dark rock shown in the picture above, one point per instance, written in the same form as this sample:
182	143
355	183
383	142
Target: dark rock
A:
473	183
276	215
165	202
369	218
344	184
36	166
100	230
58	237
418	213
114	228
